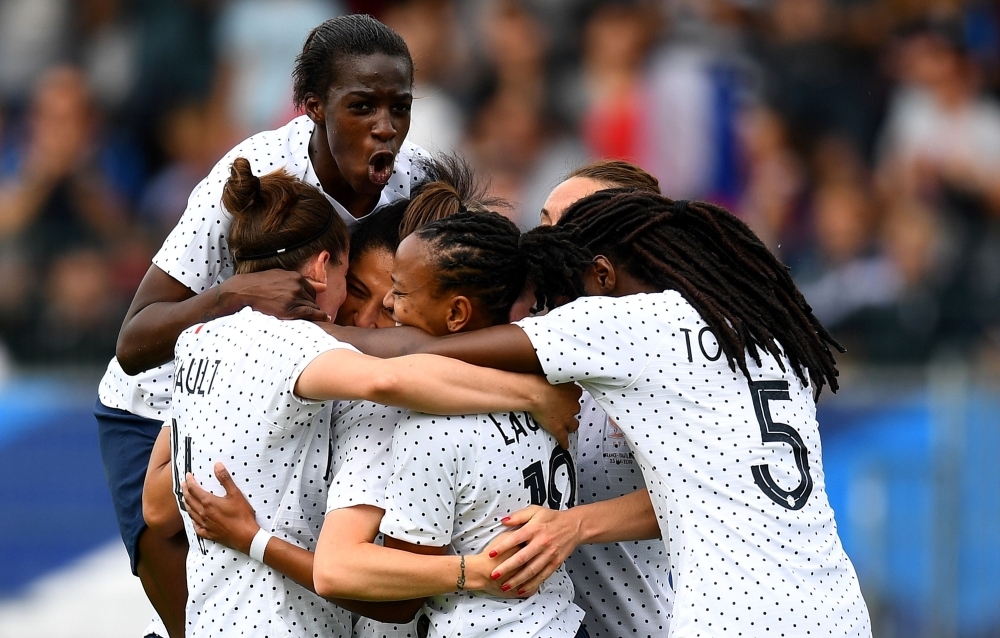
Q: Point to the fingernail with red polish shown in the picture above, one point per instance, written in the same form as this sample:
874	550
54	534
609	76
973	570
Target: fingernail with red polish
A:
495	575
505	588
504	519
520	592
493	554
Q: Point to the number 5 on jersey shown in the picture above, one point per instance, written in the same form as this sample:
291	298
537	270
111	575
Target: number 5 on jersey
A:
764	392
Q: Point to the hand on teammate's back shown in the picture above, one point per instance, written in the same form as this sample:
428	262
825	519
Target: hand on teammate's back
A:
535	550
229	520
280	293
558	409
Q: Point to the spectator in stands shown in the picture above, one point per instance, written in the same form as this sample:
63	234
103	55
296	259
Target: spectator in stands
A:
431	32
64	203
941	140
192	145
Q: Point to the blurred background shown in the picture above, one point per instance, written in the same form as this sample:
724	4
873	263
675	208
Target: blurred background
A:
859	138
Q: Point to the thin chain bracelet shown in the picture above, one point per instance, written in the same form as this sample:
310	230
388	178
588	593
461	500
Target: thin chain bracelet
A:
461	579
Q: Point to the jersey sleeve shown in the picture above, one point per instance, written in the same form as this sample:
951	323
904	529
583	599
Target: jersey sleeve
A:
283	355
586	341
364	457
433	462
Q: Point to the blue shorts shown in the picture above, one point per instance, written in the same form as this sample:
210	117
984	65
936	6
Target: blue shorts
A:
126	443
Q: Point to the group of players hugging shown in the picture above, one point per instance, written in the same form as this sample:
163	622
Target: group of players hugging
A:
346	398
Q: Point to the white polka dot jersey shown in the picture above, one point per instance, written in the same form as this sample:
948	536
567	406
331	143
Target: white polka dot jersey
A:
623	587
233	402
363	461
196	252
733	467
453	480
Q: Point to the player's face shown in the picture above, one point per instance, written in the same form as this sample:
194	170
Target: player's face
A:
565	195
369	278
330	300
413	299
367	116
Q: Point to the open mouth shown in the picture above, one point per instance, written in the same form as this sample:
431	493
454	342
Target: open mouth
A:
380	167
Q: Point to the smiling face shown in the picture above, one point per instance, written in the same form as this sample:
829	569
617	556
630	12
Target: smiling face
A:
369	278
363	119
414	299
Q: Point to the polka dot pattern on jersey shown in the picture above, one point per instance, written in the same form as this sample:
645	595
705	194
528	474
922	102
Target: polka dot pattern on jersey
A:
362	464
733	466
196	253
233	402
453	480
620	586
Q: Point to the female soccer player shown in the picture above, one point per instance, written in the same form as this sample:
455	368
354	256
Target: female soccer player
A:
695	340
251	389
353	79
620	585
454	479
363	430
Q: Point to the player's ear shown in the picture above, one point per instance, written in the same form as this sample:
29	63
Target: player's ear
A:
459	314
600	277
315	269
314	109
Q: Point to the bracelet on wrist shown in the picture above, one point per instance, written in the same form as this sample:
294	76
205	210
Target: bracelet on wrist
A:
259	544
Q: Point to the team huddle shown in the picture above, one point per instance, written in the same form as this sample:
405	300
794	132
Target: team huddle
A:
352	399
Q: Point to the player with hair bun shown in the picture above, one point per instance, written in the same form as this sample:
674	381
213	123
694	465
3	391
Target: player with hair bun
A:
254	390
353	79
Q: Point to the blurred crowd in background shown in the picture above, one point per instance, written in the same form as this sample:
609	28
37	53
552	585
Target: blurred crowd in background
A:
859	138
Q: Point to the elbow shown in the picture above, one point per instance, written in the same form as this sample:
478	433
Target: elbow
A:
124	354
162	518
157	520
327	583
386	387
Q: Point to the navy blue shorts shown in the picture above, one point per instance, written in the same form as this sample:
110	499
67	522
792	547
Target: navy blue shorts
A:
126	444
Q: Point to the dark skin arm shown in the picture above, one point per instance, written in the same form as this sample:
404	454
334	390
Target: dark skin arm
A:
503	347
164	307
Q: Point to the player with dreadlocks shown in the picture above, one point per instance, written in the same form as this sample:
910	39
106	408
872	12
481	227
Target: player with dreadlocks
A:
694	339
453	479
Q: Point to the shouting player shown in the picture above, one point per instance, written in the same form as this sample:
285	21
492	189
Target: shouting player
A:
354	80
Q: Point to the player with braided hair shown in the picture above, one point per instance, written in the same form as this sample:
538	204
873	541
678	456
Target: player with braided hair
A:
454	479
745	295
696	342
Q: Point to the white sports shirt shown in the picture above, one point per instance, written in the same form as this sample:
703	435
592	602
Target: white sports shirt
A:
453	480
734	469
623	587
196	252
233	401
363	452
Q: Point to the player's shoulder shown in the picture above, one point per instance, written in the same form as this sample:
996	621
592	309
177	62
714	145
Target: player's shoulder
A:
410	152
286	147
